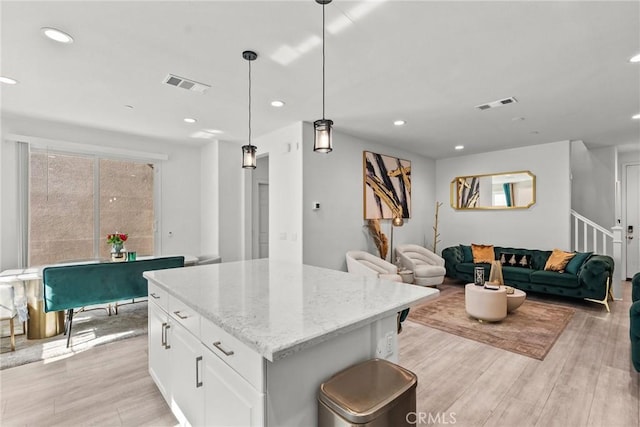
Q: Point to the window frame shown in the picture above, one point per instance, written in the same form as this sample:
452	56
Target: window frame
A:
96	154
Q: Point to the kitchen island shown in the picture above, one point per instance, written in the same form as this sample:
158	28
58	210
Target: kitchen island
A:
248	343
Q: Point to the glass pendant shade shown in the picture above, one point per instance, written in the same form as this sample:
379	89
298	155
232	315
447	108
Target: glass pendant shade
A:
323	142
249	156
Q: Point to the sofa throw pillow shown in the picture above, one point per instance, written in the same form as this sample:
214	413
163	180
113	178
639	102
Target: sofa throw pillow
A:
482	253
467	256
558	260
576	262
508	259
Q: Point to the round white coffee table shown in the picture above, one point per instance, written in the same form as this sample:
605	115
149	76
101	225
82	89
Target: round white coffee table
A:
515	299
485	304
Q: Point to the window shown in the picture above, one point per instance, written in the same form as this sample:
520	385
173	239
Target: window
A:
75	201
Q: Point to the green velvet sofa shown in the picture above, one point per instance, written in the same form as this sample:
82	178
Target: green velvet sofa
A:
79	285
586	276
634	326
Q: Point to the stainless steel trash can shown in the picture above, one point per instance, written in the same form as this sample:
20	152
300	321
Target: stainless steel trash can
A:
375	393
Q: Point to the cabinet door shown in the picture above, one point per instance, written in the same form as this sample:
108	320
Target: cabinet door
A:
159	363
186	376
229	399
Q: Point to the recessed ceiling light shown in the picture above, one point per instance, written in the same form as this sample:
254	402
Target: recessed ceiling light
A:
57	35
636	117
277	104
517	119
214	131
635	58
459	147
190	120
399	123
129	106
8	80
534	132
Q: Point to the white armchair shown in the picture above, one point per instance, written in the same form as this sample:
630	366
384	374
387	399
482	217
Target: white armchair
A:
428	268
366	264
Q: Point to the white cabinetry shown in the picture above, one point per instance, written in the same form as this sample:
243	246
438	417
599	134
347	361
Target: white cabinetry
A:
159	338
202	383
186	376
229	399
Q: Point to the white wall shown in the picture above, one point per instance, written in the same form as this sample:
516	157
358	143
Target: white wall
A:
593	172
284	147
209	200
231	190
545	225
180	181
335	180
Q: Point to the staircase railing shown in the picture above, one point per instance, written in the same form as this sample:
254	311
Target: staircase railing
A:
587	236
591	237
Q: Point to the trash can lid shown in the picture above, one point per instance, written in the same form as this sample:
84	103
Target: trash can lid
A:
362	392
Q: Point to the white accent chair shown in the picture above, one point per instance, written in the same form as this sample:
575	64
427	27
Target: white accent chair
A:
366	264
8	309
428	268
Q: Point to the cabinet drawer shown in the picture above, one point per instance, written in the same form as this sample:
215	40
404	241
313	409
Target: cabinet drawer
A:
184	315
242	359
158	296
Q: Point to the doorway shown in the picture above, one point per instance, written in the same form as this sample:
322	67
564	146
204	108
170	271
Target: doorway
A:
260	209
632	219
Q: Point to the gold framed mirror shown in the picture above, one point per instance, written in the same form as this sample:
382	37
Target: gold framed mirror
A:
504	190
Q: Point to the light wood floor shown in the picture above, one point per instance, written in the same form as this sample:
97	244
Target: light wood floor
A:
585	380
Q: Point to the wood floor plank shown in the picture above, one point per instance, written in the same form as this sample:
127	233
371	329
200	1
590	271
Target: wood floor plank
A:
484	394
615	399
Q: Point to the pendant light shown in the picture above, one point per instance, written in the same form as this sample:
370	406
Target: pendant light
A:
323	141
249	150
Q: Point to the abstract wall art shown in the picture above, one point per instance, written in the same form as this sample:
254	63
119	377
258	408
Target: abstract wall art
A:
387	186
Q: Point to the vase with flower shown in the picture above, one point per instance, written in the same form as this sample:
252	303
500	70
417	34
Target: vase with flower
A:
116	240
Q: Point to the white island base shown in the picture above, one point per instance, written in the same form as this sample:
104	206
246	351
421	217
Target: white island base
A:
225	352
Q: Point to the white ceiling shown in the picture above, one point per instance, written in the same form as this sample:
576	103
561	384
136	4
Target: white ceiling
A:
426	62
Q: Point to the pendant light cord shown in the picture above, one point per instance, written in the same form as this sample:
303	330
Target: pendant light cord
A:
249	102
323	61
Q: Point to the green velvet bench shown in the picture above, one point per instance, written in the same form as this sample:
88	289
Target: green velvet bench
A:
75	286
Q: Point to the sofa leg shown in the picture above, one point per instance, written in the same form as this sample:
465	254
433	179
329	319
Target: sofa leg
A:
607	294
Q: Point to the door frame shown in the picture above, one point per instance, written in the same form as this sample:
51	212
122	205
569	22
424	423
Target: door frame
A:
255	235
623	216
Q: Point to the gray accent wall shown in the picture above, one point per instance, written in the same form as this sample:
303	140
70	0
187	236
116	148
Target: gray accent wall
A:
335	180
593	183
545	225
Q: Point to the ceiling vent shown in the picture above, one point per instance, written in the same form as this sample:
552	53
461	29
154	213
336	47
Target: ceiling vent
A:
498	103
183	83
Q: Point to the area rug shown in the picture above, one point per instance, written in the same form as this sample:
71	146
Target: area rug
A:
531	330
90	329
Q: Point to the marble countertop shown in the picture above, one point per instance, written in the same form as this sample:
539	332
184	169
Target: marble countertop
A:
278	308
